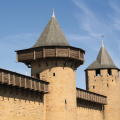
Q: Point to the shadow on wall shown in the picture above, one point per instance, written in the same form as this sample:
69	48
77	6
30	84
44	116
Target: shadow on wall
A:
89	105
21	94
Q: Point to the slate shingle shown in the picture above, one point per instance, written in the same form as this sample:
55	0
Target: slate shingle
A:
103	60
52	35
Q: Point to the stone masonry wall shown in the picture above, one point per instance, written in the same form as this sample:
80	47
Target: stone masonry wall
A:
18	106
108	85
89	111
61	100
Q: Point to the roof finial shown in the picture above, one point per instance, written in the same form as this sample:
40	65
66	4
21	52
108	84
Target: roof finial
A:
102	40
53	14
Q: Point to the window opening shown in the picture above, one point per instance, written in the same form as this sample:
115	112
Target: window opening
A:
65	104
53	74
107	85
93	87
65	101
109	71
98	72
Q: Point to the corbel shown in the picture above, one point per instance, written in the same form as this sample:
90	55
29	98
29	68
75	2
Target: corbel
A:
12	90
27	92
46	62
41	96
39	63
73	63
32	93
77	64
17	91
56	62
65	62
28	65
37	94
23	92
5	88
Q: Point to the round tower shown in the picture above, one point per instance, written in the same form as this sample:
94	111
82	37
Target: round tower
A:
52	59
102	77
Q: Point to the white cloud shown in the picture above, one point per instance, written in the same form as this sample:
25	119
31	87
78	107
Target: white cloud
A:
116	16
88	20
95	26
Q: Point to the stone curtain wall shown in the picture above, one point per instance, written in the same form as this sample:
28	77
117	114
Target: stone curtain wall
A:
20	105
89	111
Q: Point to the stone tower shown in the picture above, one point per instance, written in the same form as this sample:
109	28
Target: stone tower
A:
52	59
102	77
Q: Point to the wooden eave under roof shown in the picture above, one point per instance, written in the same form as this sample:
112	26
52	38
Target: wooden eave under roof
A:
67	52
51	46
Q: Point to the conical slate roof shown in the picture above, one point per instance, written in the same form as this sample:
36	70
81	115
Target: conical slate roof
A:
103	60
52	35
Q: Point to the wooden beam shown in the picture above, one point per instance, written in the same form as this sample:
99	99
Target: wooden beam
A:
56	51
79	54
34	55
14	80
20	80
68	52
2	77
30	84
8	78
39	86
25	82
43	53
34	85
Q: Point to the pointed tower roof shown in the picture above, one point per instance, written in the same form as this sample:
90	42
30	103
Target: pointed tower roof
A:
52	35
103	60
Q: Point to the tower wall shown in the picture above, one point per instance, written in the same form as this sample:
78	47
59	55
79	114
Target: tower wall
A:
109	86
61	100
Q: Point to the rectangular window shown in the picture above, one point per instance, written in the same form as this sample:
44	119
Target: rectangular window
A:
98	72
53	74
109	71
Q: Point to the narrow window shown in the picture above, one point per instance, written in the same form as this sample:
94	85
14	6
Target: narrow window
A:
37	76
112	80
65	104
93	87
107	85
109	71
65	101
98	72
53	74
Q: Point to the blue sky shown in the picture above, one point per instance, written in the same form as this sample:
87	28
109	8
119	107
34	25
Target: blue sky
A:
82	21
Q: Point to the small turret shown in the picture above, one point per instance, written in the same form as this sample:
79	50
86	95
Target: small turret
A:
102	77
